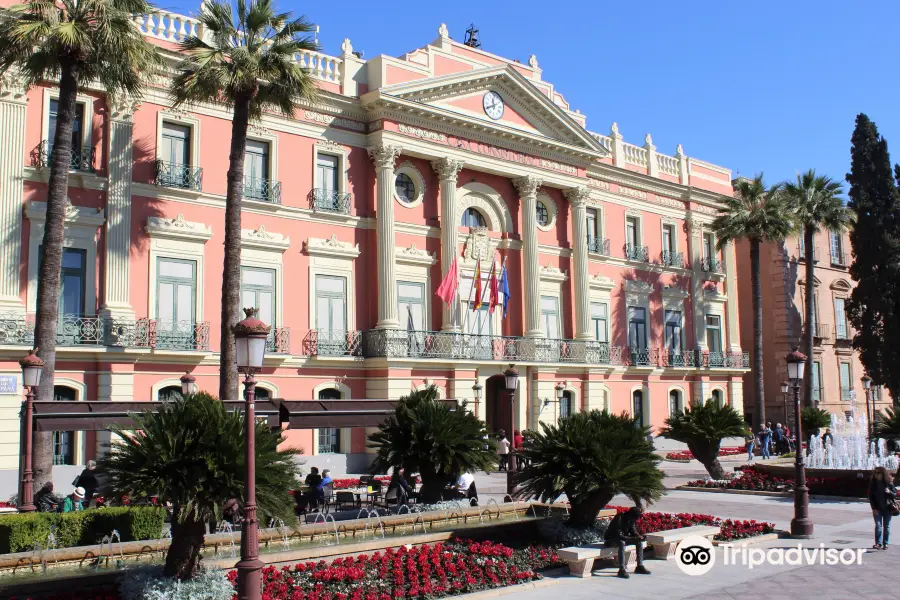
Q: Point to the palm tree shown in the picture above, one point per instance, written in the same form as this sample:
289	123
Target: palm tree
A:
816	203
249	64
814	419
590	457
758	214
433	439
888	426
190	454
70	42
702	428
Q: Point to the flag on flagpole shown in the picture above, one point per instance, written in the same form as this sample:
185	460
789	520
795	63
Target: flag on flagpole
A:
495	290
449	285
478	290
504	291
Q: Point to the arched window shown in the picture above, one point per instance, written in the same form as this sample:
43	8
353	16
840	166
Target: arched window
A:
638	407
405	188
261	393
472	218
64	441
565	405
543	215
329	441
717	398
169	393
674	402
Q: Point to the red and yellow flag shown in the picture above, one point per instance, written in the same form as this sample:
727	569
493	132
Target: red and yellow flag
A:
478	285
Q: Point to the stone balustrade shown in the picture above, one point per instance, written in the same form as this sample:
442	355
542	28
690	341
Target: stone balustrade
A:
635	155
321	66
168	26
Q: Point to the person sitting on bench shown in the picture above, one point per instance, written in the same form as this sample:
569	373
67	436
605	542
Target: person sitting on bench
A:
622	531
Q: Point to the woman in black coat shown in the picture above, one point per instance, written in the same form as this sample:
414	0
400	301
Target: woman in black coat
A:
881	495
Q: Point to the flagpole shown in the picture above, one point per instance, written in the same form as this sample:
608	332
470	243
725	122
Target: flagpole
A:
469	301
483	290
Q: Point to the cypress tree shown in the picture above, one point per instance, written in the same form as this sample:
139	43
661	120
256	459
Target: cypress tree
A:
874	305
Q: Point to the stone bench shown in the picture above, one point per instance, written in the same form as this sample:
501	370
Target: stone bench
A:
581	558
665	542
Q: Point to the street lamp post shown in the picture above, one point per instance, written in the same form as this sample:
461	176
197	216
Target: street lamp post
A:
785	387
31	377
250	346
801	526
560	390
188	384
477	390
512	383
867	384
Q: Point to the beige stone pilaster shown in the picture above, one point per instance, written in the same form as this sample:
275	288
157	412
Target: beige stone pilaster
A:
731	307
695	248
528	187
384	158
448	170
116	302
13	103
578	198
652	164
618	145
683	174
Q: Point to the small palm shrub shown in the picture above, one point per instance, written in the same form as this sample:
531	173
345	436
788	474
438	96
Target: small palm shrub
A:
190	454
433	439
590	457
703	427
888	425
813	419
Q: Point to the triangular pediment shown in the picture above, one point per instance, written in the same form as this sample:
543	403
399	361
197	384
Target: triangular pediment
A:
525	108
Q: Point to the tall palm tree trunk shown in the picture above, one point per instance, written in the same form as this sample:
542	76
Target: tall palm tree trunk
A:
231	275
50	262
757	331
808	240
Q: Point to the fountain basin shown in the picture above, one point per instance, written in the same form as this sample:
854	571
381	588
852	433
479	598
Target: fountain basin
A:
788	470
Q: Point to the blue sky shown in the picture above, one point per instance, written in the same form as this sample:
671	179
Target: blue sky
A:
751	85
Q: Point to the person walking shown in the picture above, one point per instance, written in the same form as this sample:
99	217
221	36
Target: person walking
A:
778	436
88	480
518	444
881	497
503	447
765	438
749	443
622	531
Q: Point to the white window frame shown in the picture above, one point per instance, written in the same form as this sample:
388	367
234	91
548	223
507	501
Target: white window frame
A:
594	327
639	227
345	432
559	320
414	266
551	284
637	294
261	249
834	300
718	388
407	168
601	221
81	229
645	403
662	228
272	140
332	259
177	239
552	212
681	397
185	120
87	134
329	148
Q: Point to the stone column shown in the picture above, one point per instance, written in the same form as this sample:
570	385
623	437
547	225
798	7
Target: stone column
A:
731	312
448	170
695	248
384	158
652	165
528	187
578	200
12	176
116	302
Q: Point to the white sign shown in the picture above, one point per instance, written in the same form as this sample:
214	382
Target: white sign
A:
9	384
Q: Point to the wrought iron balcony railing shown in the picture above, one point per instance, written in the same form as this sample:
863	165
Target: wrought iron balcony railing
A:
81	160
821	332
329	201
264	190
321	342
711	265
641	253
279	340
726	360
598	245
839	259
678	358
93	330
672	259
186	177
801	253
642	357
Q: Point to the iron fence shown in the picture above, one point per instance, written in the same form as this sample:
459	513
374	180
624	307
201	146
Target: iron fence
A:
329	201
80	160
180	176
264	190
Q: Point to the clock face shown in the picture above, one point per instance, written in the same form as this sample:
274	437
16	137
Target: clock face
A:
493	105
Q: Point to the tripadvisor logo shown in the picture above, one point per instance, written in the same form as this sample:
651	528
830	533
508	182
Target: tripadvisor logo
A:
695	556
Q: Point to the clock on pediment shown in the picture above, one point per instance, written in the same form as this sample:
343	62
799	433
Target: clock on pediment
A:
493	105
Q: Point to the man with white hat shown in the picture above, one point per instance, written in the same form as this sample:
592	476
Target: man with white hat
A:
74	501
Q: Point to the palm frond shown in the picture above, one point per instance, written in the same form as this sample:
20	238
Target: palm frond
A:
756	212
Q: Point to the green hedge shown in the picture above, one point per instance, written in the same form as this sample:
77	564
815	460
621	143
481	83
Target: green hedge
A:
20	532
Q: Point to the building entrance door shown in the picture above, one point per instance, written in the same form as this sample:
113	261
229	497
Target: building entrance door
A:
498	405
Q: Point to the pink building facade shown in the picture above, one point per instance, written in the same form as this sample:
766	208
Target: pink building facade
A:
353	212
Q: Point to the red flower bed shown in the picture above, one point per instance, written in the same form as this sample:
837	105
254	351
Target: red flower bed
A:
688	455
731	529
756	480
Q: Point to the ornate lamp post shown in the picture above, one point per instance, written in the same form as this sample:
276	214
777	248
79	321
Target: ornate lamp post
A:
560	390
785	388
867	384
188	384
250	345
477	391
512	383
801	526
31	377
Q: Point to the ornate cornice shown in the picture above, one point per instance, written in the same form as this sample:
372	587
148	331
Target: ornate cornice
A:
178	228
447	169
552	273
384	156
264	240
527	185
75	215
636	286
123	107
602	282
331	247
12	88
414	255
